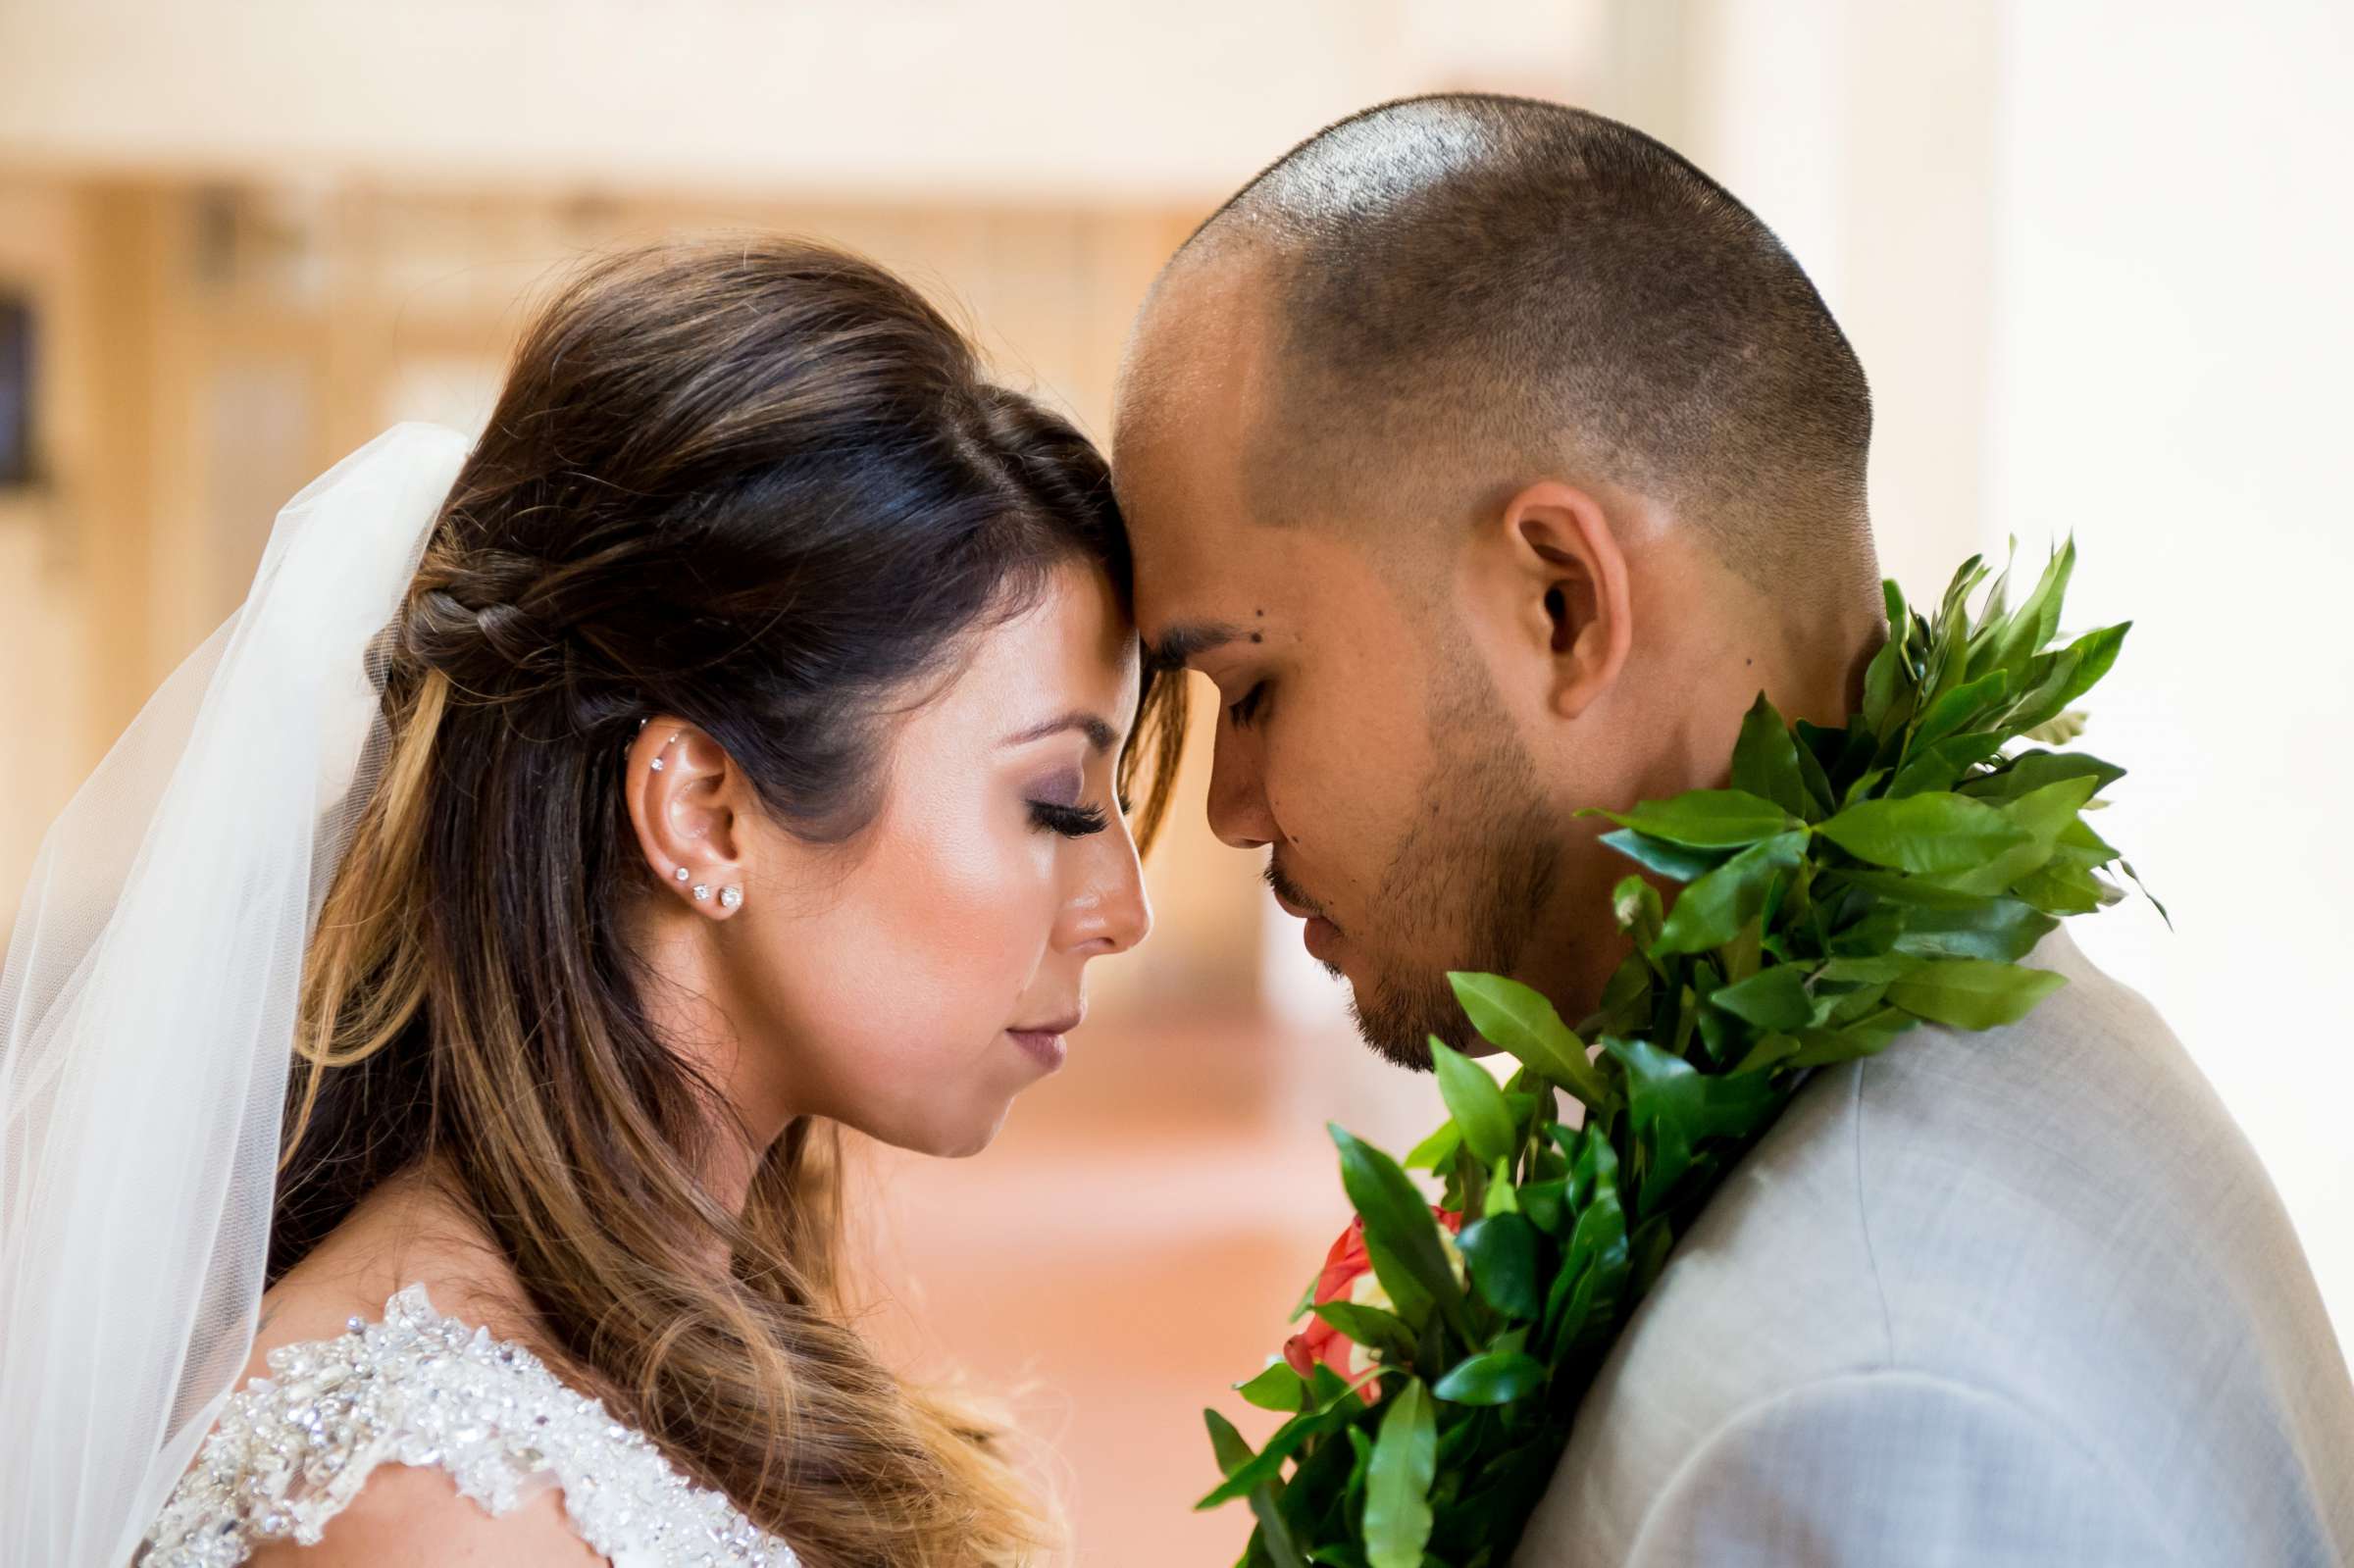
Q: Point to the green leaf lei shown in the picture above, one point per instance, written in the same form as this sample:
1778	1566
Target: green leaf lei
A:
1849	884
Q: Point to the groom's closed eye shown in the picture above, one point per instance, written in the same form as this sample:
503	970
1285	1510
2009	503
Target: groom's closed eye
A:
1181	645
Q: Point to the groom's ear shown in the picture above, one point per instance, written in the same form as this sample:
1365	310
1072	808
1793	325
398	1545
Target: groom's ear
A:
1570	584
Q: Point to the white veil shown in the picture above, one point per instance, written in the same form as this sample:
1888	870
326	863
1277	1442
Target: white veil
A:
147	1012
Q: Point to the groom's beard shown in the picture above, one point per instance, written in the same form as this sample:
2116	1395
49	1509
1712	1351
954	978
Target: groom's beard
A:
1465	889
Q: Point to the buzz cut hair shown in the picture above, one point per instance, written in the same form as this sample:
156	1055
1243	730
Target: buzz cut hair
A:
1463	280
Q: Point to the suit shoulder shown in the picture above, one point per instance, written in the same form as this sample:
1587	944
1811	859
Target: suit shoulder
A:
1860	1467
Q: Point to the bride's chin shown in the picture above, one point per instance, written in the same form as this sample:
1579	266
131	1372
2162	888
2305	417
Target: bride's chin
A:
958	1142
971	1146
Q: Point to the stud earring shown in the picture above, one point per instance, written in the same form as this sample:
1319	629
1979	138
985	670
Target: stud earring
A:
702	893
657	764
730	896
681	874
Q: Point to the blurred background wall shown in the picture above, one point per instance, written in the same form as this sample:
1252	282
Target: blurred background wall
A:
2092	255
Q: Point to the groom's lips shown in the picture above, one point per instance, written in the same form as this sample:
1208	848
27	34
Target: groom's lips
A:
1320	934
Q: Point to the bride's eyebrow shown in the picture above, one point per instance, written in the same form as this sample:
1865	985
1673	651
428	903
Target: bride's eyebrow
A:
1179	646
1100	735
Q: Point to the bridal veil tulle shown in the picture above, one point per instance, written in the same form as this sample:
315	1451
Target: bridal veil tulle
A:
147	1014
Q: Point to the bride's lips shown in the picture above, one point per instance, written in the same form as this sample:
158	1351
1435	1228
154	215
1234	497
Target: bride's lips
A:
1045	1042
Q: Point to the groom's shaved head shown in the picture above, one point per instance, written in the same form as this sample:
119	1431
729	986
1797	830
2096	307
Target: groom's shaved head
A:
1488	459
1470	288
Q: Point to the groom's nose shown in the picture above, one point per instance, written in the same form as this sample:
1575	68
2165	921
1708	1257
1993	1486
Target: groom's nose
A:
1238	796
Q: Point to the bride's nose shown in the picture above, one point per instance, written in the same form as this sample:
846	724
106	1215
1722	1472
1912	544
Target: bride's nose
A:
1110	912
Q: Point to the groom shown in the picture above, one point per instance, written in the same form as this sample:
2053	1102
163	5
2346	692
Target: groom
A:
1489	459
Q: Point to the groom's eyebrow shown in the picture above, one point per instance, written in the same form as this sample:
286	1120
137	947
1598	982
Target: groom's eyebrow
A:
1100	735
1181	645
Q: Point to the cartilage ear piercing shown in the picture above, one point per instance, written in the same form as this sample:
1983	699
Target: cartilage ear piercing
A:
702	893
730	896
657	764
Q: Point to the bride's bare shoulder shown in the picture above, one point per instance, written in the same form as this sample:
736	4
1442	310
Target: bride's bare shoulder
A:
411	1514
401	1235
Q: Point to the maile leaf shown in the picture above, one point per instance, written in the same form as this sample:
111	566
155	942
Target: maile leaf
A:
1435	1150
1274	1531
1974	993
2128	867
2059	890
1497	1377
1399	1228
1474	1101
1927	835
1951	710
1773	998
1669	860
1705	819
1232	1450
1405	1460
1766	761
1876	971
1999	929
1278	1387
1503	1197
2038	615
2070	674
1712	911
1502	1252
1518	1019
1370	1327
2040	816
1673	1105
1941	766
1864	1037
2032	770
1334	1404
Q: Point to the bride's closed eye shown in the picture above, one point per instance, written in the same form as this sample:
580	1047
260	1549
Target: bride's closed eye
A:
1055	807
1072	822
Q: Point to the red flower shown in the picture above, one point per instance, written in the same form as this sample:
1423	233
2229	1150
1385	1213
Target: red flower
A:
1348	1276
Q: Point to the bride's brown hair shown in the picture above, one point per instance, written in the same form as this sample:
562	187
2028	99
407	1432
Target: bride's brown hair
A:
763	486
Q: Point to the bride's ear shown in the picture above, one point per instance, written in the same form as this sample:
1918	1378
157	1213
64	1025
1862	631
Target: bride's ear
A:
683	792
1567	583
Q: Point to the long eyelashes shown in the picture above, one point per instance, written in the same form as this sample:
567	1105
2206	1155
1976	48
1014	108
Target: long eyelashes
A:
1247	709
1072	822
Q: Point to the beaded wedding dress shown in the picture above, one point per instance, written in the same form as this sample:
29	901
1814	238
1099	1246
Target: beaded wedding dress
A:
293	1448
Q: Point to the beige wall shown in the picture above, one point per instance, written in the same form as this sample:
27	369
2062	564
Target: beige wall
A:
43	596
874	101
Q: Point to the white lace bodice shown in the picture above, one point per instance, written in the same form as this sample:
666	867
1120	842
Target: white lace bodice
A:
293	1448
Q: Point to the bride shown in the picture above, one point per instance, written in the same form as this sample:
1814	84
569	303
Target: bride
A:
424	1040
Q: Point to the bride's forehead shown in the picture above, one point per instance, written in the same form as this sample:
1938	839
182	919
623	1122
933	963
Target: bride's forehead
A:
1073	636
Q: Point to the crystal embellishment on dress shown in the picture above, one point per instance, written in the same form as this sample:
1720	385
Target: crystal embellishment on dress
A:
293	1448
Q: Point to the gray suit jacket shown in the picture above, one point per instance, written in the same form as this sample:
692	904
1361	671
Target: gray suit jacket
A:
2024	1296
